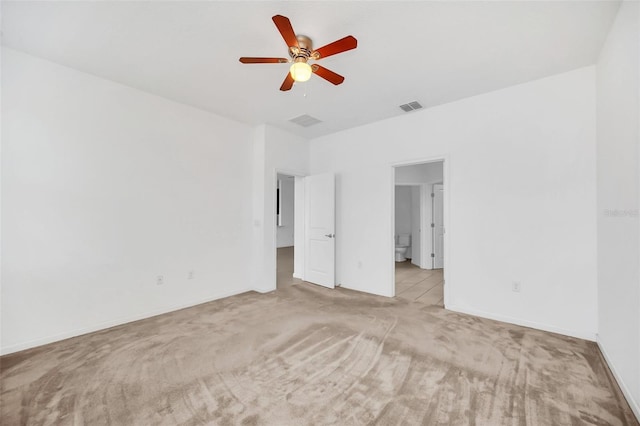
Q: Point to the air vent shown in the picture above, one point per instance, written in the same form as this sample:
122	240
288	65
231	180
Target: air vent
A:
411	106
305	120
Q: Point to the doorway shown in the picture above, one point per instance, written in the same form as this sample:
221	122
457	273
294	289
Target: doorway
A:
419	232
304	231
285	230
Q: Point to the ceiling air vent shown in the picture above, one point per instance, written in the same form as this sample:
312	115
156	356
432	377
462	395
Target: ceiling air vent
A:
305	120
411	106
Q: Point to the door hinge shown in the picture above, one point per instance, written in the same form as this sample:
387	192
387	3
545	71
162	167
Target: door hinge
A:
433	225
433	195
433	255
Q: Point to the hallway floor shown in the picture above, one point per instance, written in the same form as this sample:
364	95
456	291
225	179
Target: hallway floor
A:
419	285
285	268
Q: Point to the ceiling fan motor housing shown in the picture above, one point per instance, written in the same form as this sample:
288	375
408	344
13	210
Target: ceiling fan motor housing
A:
303	51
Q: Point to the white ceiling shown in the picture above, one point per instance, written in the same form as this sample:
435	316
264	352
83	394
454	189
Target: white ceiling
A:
432	52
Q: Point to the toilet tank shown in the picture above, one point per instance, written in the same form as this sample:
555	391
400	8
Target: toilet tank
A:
404	240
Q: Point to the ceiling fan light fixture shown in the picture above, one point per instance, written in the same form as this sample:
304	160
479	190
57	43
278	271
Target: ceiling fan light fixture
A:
301	49
300	71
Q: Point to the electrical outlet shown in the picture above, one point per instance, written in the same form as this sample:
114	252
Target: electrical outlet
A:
191	275
516	286
160	280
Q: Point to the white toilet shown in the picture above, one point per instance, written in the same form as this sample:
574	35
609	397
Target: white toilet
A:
403	241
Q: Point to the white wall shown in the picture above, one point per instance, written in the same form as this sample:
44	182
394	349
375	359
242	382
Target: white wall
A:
403	210
275	150
284	233
104	188
299	231
618	183
403	213
520	176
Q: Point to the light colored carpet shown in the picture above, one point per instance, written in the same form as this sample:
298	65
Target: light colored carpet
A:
305	355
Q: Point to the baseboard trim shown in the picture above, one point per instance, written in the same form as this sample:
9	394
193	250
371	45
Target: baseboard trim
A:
517	321
635	406
113	323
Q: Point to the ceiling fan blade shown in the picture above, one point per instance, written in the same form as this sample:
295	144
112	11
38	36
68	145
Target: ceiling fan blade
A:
338	46
287	84
286	30
328	75
249	60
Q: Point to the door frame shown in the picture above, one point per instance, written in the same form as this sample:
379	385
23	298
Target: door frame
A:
446	168
298	209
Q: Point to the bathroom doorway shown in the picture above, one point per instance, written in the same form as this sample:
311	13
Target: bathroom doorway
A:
419	232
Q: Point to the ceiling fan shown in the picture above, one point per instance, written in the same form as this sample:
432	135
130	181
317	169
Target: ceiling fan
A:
301	51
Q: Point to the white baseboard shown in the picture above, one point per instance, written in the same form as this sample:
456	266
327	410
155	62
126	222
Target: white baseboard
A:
635	405
586	335
108	324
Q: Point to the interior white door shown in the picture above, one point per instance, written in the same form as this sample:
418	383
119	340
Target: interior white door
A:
438	226
320	229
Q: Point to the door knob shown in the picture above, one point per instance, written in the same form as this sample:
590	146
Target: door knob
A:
330	235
